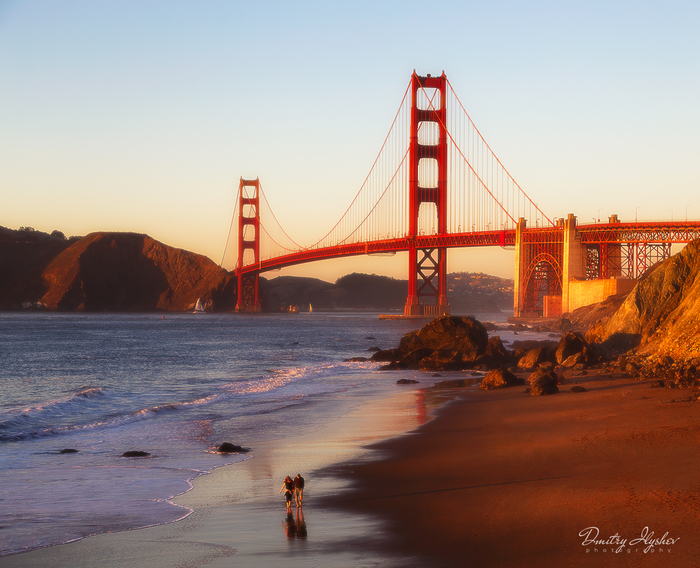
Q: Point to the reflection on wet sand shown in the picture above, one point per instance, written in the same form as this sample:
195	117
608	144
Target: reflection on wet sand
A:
295	528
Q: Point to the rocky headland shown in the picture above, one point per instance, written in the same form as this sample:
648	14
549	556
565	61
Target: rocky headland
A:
107	272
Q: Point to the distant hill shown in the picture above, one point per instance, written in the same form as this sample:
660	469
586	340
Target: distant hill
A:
467	293
478	292
351	292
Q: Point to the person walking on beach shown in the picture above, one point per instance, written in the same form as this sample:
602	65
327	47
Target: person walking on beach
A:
288	488
298	489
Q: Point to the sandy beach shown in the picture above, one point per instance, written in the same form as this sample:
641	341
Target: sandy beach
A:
505	479
498	478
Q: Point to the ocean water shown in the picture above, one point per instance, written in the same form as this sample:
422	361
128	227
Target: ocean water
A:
175	386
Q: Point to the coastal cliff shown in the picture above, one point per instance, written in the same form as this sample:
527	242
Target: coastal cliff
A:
107	272
663	311
131	272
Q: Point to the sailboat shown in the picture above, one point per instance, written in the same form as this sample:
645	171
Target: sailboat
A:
198	307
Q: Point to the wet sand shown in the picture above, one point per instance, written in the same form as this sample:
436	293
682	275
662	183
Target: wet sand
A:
239	517
504	479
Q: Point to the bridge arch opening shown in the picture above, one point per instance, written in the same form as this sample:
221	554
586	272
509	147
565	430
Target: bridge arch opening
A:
543	278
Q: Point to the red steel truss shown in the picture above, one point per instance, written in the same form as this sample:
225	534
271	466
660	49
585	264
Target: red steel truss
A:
640	232
623	260
542	259
628	250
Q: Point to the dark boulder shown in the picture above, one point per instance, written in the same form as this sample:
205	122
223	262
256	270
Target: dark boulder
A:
533	358
407	382
543	382
412	359
442	360
573	360
616	343
135	454
571	343
496	354
229	448
385	355
578	388
464	334
447	343
499	379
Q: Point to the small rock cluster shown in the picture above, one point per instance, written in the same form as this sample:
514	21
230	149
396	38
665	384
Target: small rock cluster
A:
451	343
663	369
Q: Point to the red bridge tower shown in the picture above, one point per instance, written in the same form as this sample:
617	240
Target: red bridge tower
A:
248	221
427	183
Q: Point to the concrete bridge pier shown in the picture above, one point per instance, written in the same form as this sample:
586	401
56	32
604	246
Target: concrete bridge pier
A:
573	261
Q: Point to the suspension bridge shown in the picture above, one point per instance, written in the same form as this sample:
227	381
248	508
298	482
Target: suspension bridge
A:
435	185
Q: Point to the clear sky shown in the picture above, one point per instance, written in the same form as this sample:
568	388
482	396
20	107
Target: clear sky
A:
143	115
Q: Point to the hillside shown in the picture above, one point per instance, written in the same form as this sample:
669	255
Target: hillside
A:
350	292
479	292
107	272
467	292
663	311
23	256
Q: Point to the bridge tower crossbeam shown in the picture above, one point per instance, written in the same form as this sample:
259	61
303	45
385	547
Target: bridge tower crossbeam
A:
427	271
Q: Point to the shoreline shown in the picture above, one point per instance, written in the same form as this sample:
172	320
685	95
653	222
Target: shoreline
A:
500	478
238	518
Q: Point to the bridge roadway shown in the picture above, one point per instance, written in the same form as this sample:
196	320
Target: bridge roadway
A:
455	240
674	232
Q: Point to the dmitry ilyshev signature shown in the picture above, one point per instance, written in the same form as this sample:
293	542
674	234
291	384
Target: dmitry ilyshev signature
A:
590	537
